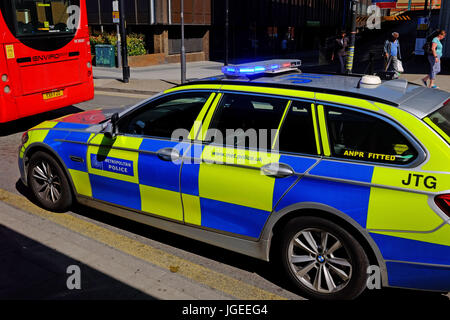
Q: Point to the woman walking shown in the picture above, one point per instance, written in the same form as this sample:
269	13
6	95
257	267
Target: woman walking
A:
434	57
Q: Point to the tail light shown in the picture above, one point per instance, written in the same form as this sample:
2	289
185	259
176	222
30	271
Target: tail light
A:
443	202
25	137
89	66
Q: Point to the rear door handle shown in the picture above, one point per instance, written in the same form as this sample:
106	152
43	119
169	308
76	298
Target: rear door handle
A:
277	170
169	154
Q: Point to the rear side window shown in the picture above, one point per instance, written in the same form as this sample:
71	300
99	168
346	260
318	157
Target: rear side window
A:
441	119
247	121
297	132
357	136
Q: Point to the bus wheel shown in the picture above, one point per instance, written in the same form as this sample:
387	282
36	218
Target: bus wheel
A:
48	183
323	260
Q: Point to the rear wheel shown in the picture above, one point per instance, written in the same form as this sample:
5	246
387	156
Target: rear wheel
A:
323	260
48	183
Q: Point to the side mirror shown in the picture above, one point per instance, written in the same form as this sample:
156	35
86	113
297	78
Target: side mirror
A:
110	130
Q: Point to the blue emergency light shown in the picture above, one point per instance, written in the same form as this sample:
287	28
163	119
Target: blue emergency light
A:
269	66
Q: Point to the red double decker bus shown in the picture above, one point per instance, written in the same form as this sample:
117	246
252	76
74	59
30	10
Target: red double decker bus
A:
45	58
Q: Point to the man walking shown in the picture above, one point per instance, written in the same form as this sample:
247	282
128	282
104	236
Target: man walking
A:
392	53
340	51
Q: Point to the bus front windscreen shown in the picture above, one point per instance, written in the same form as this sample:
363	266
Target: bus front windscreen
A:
37	17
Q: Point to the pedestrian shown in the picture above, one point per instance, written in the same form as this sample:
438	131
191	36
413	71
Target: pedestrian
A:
284	45
340	51
434	57
392	53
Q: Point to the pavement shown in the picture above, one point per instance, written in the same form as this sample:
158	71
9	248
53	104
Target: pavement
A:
154	79
442	81
105	272
107	260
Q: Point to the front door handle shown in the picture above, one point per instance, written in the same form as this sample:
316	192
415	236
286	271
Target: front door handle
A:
169	154
277	170
76	159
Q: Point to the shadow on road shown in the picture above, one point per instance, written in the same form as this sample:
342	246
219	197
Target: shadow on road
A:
31	270
24	124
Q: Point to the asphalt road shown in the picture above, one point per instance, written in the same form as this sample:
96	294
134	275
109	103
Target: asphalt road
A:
120	259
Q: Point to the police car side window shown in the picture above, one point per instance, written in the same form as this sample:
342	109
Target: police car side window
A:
297	132
162	117
357	136
248	121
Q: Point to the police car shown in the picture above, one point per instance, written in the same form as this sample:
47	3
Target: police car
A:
338	178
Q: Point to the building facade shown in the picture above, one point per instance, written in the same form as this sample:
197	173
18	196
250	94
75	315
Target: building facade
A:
259	29
407	5
159	21
274	28
444	23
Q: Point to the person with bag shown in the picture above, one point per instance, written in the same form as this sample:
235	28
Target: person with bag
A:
434	52
392	54
340	51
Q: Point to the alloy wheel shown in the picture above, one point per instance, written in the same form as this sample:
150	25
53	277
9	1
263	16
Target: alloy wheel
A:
47	182
320	261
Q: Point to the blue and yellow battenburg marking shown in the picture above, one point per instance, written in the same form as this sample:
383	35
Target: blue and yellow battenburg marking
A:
234	195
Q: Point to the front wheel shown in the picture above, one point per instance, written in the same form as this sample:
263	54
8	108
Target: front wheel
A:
48	183
323	260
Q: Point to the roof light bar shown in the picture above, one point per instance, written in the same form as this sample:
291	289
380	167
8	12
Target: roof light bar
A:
269	66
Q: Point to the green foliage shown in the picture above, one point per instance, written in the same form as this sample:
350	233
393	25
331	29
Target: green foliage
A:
111	39
94	40
135	42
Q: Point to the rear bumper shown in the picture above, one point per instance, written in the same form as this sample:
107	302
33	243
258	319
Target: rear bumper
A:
32	104
417	264
419	276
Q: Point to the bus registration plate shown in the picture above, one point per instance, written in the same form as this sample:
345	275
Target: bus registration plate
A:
54	94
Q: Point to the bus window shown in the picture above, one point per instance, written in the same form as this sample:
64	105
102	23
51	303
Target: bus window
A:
48	56
44	16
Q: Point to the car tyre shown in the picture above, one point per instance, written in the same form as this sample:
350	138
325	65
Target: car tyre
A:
323	260
48	183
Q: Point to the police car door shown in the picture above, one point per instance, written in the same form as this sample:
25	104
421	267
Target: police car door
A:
226	191
139	169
